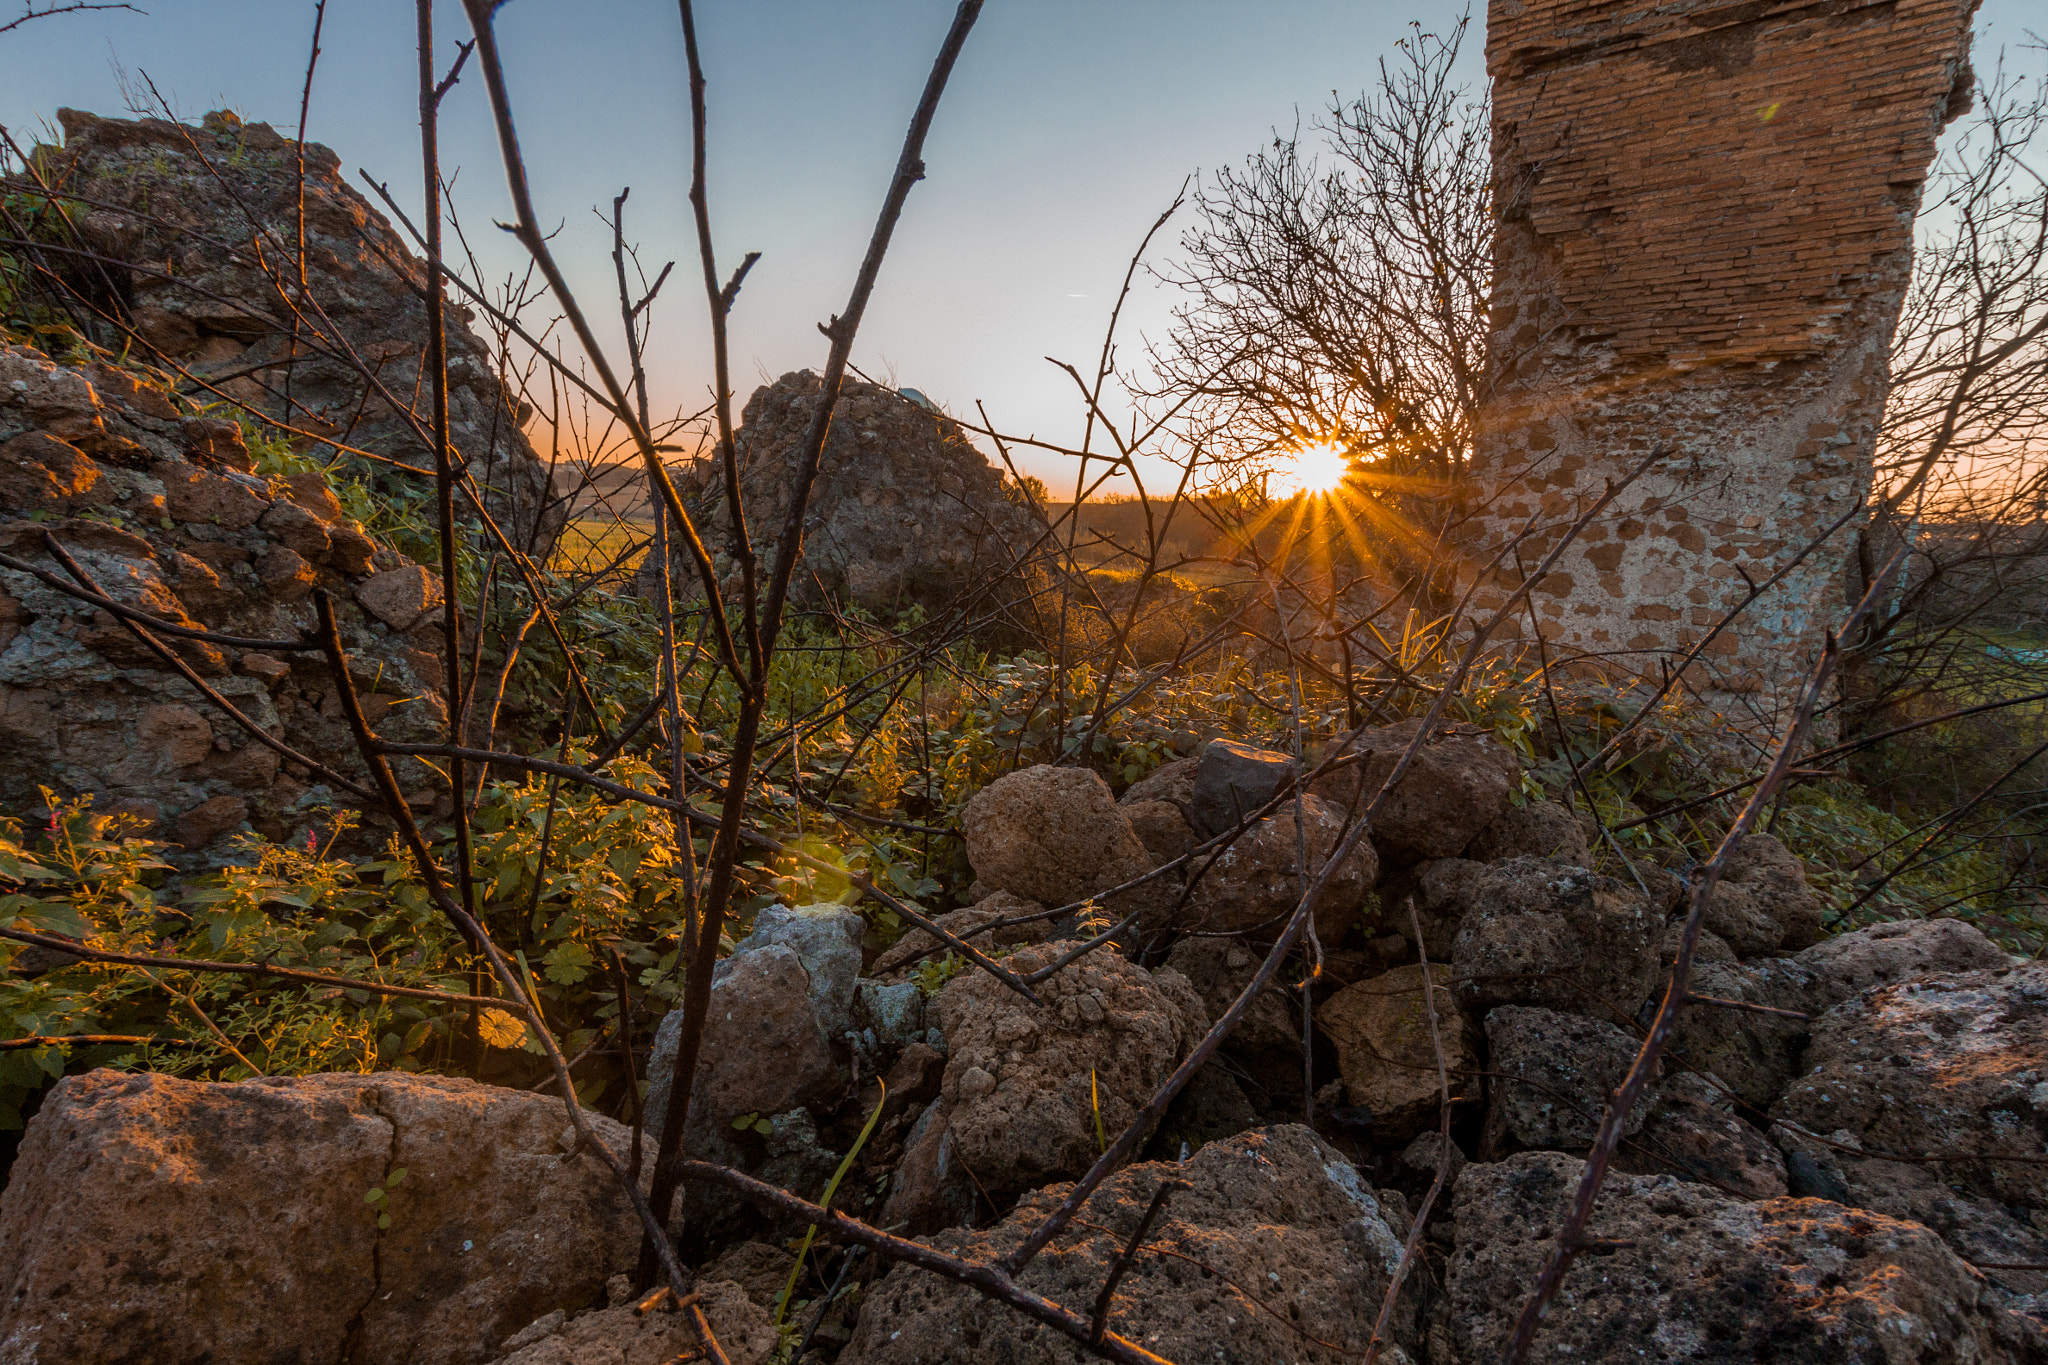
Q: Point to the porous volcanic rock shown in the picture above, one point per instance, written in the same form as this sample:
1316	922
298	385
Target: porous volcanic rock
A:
1758	1054
180	211
1267	1042
620	1335
1694	1134
1762	902
1992	1236
1537	829
1055	836
1385	1051
1441	890
1254	883
86	708
154	1218
1696	1275
1281	1247
905	510
1949	1064
916	944
1457	785
1885	954
1534	932
1549	1078
1024	1083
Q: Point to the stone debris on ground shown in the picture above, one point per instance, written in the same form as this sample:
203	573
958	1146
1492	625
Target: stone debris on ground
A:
1277	1250
1031	1088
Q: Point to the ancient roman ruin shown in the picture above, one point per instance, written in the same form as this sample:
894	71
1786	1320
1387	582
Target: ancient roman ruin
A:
1705	230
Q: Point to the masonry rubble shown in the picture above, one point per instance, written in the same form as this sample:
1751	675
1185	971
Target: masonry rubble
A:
1768	1143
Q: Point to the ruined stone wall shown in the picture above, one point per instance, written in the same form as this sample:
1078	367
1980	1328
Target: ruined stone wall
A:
1706	216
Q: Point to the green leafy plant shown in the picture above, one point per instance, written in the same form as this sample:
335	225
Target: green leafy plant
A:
379	1197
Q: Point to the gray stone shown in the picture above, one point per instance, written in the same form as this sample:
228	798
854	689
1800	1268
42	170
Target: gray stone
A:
1950	1064
1456	786
1537	829
1532	932
763	1052
1303	1246
892	1016
1231	781
1550	1077
1692	1274
826	939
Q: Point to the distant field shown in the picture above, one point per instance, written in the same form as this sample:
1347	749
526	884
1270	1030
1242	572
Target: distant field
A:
590	543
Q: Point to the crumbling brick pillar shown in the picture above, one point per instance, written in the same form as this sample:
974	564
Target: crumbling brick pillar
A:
1706	214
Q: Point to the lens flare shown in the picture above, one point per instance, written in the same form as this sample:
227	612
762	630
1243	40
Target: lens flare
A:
1312	469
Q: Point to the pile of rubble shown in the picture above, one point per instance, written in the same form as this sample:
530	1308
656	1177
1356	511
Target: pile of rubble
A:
1857	1175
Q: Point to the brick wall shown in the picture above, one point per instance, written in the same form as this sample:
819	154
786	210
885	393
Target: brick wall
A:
1706	228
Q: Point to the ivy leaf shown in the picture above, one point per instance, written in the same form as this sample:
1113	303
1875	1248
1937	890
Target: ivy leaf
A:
499	1029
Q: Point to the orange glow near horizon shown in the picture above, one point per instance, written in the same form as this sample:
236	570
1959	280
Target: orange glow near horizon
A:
1312	469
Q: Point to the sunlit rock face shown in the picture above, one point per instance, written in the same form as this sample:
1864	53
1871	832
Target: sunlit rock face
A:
1705	230
198	227
906	511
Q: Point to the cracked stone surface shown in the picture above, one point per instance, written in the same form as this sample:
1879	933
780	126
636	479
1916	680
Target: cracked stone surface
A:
1278	1251
152	1218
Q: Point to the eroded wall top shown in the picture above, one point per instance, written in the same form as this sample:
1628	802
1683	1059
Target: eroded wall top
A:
1717	181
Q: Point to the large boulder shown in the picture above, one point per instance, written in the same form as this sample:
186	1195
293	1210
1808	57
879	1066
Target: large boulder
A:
1762	902
1691	1274
1252	885
1947	1065
905	512
1885	954
150	1218
1457	785
2002	1241
1757	1054
1387	1056
1031	1089
1532	932
201	296
1055	836
163	521
1278	1251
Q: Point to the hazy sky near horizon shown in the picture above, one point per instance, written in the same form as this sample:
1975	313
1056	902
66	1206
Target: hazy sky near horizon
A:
1068	126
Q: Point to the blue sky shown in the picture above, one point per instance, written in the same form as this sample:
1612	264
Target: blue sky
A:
1069	125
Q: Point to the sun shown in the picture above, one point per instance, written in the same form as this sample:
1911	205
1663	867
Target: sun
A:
1316	468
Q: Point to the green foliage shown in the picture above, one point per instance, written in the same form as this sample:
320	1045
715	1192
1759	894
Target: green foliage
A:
379	1197
608	887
